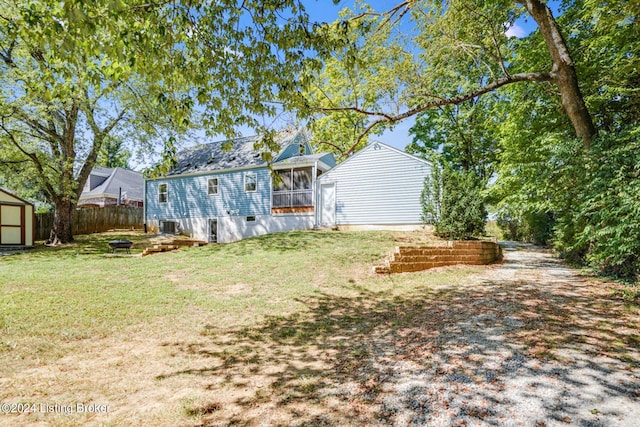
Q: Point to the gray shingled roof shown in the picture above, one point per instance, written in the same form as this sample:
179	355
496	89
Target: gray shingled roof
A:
308	158
213	156
131	183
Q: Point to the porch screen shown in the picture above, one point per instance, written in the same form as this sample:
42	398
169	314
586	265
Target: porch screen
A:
293	188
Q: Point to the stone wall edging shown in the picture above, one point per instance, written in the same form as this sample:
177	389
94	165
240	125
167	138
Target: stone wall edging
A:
417	258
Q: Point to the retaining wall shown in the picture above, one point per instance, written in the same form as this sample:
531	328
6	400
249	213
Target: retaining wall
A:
416	258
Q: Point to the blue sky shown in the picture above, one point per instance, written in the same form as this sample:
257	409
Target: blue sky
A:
398	137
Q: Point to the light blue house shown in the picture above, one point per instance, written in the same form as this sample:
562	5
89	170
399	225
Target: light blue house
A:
222	195
378	187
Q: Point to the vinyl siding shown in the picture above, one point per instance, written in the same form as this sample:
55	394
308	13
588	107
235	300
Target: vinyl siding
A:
328	160
293	149
378	186
188	196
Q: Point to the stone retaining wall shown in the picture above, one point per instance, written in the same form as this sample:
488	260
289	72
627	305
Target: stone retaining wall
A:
416	258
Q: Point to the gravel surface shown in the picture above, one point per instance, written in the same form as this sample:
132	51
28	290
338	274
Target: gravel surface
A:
533	348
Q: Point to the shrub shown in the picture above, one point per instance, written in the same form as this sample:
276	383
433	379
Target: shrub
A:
530	226
454	203
602	227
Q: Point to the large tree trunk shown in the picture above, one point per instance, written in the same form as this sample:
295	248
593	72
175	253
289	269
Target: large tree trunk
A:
62	221
563	72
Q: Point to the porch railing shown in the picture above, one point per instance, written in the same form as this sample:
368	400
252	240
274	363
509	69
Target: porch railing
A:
292	199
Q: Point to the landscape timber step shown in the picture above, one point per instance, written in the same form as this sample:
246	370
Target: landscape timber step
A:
175	244
382	269
188	242
159	248
406	259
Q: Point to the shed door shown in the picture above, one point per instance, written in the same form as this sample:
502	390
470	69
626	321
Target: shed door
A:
328	204
12	225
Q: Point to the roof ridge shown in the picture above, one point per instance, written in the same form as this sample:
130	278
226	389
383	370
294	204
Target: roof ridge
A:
106	182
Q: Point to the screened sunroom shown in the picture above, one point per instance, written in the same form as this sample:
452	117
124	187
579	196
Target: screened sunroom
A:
293	183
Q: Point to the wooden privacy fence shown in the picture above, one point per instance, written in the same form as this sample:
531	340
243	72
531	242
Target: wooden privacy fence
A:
93	220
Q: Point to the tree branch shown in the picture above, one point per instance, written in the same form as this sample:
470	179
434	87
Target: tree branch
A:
386	118
34	159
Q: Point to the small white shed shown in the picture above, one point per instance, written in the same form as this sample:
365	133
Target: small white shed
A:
378	186
17	221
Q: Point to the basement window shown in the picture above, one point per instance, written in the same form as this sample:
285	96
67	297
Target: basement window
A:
251	218
168	227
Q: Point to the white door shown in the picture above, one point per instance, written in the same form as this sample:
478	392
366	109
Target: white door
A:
213	230
328	205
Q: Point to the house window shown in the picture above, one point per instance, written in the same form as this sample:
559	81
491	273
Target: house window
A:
212	186
250	182
162	193
292	188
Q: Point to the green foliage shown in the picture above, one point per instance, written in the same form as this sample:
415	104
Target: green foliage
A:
431	195
114	153
550	187
454	203
168	162
362	71
602	226
530	226
463	135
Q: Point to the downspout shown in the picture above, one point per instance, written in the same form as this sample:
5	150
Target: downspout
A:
314	188
144	206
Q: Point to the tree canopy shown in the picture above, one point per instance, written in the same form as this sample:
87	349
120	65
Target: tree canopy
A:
438	53
75	74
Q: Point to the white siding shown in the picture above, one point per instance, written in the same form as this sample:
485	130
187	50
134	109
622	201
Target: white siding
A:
233	228
378	185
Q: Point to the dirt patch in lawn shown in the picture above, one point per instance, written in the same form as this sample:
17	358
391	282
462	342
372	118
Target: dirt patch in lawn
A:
526	342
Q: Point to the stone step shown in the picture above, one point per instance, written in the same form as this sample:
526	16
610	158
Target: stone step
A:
417	258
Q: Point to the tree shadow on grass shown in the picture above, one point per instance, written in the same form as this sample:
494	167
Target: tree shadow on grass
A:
557	350
91	244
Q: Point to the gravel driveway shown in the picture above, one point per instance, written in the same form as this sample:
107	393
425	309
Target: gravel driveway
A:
524	343
534	347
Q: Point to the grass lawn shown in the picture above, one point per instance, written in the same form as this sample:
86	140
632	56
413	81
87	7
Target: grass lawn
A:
53	298
283	329
76	299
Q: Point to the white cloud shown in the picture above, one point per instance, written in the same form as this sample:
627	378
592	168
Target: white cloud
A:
516	31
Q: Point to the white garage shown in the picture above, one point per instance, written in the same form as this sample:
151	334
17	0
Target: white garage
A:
379	186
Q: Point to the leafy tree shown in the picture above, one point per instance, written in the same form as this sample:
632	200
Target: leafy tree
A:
114	153
363	67
597	203
462	135
66	85
74	73
547	178
448	53
454	203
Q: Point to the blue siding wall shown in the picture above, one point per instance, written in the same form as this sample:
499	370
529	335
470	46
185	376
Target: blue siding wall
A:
188	198
328	160
293	149
378	185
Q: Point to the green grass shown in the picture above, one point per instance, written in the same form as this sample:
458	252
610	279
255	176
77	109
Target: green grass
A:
53	298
